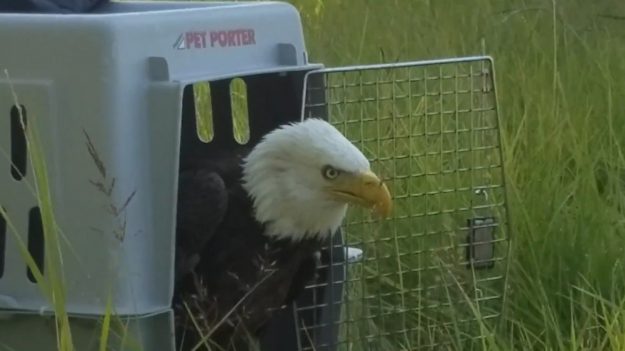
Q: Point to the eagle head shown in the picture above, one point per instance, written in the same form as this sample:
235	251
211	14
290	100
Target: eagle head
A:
303	176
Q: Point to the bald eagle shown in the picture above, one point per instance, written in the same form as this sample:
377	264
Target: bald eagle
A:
249	231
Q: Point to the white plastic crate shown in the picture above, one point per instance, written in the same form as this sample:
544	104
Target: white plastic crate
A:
118	76
111	94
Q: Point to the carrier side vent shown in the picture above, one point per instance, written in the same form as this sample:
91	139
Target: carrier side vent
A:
18	143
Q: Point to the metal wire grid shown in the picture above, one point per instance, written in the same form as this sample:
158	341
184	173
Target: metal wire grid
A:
431	130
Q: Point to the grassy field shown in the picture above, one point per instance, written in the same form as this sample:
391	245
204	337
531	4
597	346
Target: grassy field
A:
559	68
559	78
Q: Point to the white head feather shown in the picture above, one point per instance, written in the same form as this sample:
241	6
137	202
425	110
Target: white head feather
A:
283	175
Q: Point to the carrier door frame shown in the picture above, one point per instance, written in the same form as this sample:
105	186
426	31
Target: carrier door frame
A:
327	312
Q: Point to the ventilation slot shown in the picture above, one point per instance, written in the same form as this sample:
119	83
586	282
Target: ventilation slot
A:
203	112
35	240
18	143
3	242
240	116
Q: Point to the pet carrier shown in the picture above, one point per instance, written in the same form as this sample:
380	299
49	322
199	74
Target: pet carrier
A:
113	95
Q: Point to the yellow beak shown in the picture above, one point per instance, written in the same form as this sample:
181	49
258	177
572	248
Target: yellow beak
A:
364	189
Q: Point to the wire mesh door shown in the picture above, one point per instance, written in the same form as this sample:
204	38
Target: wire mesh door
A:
430	275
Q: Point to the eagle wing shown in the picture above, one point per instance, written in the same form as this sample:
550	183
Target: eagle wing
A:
202	204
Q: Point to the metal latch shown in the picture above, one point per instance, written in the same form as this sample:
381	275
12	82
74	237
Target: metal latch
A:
480	251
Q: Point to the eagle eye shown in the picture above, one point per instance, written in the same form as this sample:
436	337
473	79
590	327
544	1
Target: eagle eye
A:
330	172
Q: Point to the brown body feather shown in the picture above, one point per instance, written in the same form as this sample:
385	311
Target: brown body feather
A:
229	274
